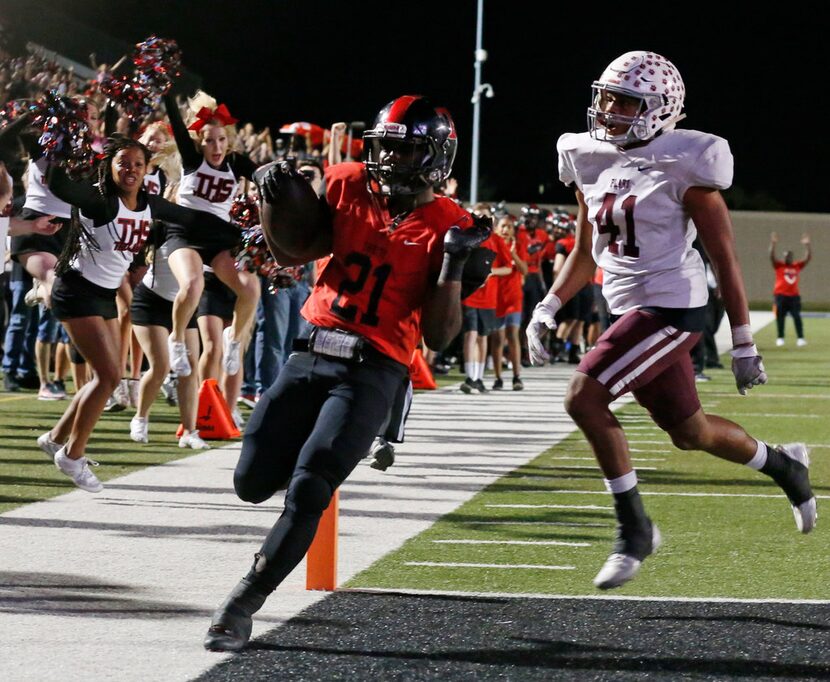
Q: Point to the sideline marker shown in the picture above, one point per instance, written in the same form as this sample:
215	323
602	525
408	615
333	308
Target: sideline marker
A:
214	420
321	560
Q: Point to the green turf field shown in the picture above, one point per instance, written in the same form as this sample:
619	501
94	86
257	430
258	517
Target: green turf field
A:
27	474
728	531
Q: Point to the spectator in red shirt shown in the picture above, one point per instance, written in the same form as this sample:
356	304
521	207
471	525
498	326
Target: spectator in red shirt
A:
786	292
509	306
479	310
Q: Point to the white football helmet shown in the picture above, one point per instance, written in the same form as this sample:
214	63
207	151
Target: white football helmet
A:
652	79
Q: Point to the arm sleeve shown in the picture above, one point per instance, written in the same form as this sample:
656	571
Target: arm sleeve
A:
81	194
191	159
242	166
13	134
189	218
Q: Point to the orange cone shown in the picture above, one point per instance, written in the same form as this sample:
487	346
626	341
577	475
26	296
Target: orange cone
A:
214	420
321	560
420	373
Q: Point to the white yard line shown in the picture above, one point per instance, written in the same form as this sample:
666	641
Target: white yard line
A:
555	543
440	564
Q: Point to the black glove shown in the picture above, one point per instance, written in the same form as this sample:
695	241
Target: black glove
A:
535	248
476	270
272	178
459	243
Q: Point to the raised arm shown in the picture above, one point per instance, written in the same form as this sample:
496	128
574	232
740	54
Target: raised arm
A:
808	253
773	241
191	158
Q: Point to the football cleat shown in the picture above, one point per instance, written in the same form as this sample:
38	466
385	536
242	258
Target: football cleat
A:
797	486
619	568
383	453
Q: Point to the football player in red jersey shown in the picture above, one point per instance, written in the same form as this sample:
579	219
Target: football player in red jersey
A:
397	260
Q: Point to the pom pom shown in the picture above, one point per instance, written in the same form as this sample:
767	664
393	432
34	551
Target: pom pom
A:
66	138
245	211
157	62
135	98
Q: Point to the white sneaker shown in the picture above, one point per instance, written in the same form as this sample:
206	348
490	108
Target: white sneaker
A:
779	342
169	389
192	439
122	393
78	470
237	418
618	569
132	391
113	404
805	513
49	446
230	353
33	297
801	342
138	429
179	362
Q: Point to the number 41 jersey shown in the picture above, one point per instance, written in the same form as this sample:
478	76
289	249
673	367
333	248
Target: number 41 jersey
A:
642	235
379	276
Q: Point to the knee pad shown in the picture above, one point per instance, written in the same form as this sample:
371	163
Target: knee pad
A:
309	493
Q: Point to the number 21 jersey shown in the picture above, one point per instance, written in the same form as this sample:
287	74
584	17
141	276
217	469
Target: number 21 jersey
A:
378	278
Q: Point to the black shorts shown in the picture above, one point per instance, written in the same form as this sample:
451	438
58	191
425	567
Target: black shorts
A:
39	243
480	320
151	310
75	296
209	243
217	299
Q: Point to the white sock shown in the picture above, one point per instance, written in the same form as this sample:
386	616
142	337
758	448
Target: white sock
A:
760	457
470	370
479	370
621	484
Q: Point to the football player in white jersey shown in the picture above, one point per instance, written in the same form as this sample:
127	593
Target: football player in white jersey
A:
645	190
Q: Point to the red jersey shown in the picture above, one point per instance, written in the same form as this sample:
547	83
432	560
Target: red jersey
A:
486	295
535	242
377	280
510	296
786	278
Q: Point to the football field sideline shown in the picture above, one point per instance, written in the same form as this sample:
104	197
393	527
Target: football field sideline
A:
121	585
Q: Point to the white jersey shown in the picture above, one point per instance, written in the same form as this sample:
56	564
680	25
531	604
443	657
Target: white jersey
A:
38	196
152	182
642	235
5	219
118	240
159	277
208	189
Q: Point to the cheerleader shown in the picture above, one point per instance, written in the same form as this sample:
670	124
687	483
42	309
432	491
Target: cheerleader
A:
117	214
152	316
210	181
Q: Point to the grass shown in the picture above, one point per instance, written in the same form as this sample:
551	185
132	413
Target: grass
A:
728	531
26	473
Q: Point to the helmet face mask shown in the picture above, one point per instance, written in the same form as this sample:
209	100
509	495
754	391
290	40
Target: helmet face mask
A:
649	80
410	148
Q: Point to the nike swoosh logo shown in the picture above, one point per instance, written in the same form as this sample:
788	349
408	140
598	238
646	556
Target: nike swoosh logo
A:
642	169
406	242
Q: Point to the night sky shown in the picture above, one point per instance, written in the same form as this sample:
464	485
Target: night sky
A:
755	79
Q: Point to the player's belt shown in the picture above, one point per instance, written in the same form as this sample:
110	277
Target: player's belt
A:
332	343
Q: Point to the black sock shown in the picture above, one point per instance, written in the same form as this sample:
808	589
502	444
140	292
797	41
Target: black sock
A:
791	475
634	529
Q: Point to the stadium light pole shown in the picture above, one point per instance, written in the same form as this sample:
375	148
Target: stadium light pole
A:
480	88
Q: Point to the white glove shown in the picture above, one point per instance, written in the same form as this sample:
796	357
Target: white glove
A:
747	367
541	322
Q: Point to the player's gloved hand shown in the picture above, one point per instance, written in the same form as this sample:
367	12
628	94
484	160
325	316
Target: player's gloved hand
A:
541	322
535	248
271	179
747	367
459	243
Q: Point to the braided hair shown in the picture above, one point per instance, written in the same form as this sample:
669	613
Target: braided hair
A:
78	233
